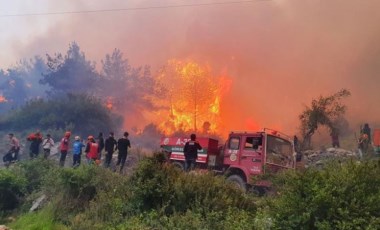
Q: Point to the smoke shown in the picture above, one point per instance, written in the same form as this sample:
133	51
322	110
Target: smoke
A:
279	54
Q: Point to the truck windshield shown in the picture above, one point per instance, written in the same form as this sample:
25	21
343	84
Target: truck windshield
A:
279	151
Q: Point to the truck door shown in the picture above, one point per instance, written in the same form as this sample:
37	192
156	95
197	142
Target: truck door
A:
252	154
279	154
232	150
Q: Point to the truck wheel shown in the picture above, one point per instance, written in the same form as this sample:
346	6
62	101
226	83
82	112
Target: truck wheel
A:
238	181
179	165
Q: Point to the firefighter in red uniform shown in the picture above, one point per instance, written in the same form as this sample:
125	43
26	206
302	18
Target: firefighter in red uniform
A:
64	148
191	152
92	149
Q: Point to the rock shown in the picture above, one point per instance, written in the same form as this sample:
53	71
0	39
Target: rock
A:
37	203
320	162
331	150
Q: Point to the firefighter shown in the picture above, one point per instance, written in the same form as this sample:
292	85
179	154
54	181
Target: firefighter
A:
35	141
122	145
47	144
92	149
363	144
367	130
110	146
191	152
64	148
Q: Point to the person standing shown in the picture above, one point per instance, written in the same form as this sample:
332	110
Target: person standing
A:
101	145
92	150
47	144
335	138
191	152
35	141
64	148
367	130
110	147
77	151
122	145
14	145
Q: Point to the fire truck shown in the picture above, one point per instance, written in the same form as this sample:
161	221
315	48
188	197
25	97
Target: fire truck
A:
243	156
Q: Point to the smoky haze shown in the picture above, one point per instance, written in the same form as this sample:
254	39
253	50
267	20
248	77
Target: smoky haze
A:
279	54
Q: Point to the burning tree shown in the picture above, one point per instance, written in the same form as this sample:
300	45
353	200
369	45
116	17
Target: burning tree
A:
192	97
325	111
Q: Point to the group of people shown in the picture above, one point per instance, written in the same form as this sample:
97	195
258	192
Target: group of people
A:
93	148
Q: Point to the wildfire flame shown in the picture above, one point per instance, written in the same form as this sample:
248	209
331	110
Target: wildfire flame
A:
109	103
3	99
192	98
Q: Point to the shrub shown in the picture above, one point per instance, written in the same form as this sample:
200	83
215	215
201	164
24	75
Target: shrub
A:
159	186
12	188
341	196
42	220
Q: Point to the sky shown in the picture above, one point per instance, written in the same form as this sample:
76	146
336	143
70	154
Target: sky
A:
279	54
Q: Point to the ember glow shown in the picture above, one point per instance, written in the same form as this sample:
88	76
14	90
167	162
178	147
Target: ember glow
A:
192	98
2	99
109	103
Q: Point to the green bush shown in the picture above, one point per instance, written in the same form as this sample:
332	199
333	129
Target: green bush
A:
12	188
35	171
159	186
341	196
42	220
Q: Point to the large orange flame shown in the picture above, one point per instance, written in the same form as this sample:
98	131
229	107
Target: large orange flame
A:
192	98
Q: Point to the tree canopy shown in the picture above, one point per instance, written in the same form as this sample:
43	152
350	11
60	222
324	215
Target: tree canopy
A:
325	111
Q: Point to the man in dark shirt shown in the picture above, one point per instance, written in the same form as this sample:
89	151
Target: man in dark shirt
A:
110	146
122	145
191	152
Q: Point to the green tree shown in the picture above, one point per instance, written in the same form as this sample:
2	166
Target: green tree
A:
322	111
19	83
126	86
71	73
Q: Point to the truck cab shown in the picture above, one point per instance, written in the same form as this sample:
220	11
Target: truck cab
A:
243	156
248	154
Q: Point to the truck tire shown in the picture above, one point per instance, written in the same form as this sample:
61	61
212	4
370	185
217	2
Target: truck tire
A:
179	165
238	181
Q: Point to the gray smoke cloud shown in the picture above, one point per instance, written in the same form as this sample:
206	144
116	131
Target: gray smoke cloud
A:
279	54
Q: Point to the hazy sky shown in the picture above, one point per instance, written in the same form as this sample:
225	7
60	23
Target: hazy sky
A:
279	54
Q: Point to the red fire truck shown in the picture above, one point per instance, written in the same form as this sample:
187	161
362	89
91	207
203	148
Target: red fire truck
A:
243	156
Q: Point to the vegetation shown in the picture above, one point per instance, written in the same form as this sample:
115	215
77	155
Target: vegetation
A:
80	113
325	111
158	196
